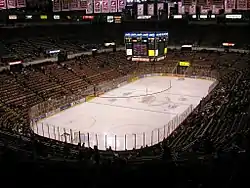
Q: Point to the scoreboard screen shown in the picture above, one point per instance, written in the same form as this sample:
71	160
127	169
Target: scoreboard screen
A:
140	49
148	45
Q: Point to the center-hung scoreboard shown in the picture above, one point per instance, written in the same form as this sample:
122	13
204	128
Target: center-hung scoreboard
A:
146	46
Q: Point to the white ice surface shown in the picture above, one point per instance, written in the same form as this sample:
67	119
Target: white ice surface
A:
117	113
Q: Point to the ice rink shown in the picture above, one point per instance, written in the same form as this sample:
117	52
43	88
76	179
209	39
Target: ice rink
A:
134	110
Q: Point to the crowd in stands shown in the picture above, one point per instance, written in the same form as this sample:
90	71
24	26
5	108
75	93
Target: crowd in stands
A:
210	148
29	44
217	125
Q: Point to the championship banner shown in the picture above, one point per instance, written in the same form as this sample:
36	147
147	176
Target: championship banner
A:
56	5
151	9
89	7
105	6
170	5
201	2
205	9
65	5
113	6
187	2
217	2
241	4
121	5
180	8
11	4
2	4
216	9
74	5
83	5
97	6
21	4
229	6
140	9
160	6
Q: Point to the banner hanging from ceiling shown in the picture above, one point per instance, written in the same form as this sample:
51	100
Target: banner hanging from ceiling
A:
83	4
89	7
241	4
2	4
160	6
216	8
205	9
56	6
97	6
11	4
105	6
140	9
121	5
151	9
229	6
180	8
113	6
20	3
74	4
65	5
192	9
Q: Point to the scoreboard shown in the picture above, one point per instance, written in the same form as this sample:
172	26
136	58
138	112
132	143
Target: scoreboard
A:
146	46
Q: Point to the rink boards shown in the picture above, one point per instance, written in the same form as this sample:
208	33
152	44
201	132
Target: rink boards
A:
74	134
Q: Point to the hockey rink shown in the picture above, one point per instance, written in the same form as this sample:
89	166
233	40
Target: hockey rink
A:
130	116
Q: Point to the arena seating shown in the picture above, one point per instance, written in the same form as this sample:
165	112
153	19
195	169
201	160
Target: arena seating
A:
212	141
32	43
57	80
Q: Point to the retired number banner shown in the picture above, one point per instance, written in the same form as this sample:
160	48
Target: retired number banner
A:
121	5
140	9
151	9
160	6
89	7
97	6
105	6
2	4
241	4
113	6
11	4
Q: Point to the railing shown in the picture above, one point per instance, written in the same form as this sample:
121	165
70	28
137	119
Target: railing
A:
103	141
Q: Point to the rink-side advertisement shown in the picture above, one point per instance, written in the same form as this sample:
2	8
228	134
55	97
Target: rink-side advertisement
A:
89	98
133	79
